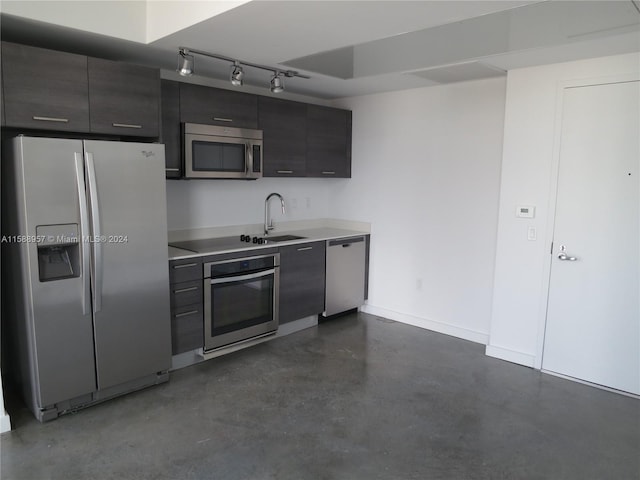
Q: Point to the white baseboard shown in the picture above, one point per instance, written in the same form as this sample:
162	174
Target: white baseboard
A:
5	423
440	327
511	356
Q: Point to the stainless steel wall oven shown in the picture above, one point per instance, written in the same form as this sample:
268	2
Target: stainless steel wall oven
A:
240	299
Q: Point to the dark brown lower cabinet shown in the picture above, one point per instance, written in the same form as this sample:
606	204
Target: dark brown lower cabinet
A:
302	279
187	314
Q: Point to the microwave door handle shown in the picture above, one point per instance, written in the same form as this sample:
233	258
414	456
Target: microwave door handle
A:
248	158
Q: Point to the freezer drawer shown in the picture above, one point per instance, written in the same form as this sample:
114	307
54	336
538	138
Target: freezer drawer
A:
346	261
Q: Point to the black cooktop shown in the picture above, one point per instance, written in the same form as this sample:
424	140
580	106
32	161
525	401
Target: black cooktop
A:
206	245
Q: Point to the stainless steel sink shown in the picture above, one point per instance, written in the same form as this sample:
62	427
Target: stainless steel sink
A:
282	238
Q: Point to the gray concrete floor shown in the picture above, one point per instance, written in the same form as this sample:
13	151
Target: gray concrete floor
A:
358	397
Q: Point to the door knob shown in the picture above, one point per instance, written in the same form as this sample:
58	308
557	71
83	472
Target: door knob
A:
563	255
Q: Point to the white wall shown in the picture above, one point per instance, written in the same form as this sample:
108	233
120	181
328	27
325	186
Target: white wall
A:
193	204
120	19
165	17
426	174
528	177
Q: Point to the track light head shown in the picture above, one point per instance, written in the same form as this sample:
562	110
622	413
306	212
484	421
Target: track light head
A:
237	74
277	83
186	63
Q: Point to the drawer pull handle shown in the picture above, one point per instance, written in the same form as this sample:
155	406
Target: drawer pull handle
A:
51	119
305	248
184	290
285	171
185	314
172	169
220	119
328	172
126	125
186	265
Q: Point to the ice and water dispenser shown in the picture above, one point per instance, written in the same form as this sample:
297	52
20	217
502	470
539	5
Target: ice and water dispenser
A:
58	251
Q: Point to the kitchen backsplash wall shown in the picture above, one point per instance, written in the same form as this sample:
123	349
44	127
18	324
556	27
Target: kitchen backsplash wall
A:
193	204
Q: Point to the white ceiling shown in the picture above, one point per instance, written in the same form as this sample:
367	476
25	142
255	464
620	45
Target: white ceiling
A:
374	45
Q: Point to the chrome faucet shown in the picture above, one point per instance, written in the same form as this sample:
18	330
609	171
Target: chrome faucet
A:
268	224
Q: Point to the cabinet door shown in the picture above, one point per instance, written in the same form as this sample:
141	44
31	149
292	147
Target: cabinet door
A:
302	279
171	128
214	106
44	89
284	124
124	99
328	142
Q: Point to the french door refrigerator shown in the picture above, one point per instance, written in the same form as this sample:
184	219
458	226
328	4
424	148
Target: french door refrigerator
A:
85	270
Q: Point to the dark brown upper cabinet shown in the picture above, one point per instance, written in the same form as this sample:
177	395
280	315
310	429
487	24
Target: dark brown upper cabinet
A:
124	99
328	142
170	136
215	106
284	126
44	89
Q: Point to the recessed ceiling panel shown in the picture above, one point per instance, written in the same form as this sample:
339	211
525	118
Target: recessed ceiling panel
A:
460	73
335	63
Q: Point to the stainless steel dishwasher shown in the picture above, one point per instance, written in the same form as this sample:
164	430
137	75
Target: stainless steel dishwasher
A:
345	275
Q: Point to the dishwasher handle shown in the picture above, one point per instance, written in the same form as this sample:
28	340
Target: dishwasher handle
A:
345	242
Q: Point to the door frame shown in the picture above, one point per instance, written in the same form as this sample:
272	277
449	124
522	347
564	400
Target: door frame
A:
553	195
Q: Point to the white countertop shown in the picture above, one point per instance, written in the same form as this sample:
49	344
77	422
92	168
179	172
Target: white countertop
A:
310	235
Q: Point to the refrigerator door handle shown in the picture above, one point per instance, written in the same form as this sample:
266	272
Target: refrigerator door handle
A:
96	238
84	234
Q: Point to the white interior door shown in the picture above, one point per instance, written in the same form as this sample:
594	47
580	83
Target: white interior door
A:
593	316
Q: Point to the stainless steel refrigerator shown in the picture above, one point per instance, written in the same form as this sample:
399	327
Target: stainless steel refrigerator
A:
85	271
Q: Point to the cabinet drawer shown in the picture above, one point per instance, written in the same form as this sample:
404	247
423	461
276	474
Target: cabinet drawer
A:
185	270
187	329
44	89
186	293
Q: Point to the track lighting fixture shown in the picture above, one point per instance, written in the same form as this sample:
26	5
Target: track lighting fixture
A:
185	63
236	72
277	83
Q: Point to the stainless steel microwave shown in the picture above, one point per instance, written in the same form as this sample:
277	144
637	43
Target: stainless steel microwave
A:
221	152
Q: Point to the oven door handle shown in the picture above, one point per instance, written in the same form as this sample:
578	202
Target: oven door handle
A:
251	276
